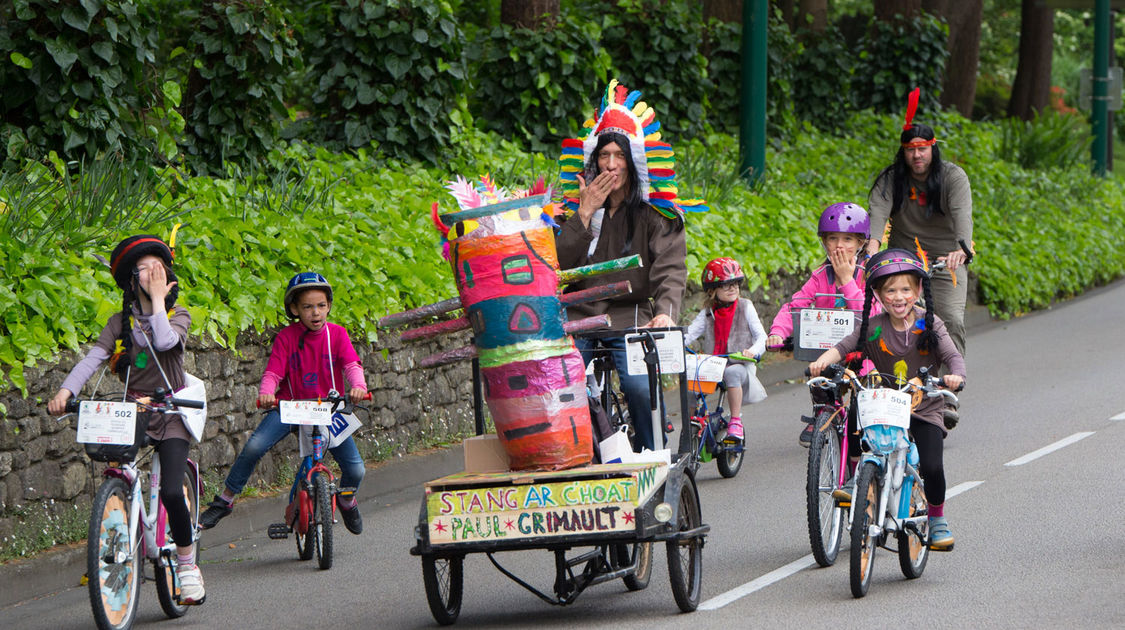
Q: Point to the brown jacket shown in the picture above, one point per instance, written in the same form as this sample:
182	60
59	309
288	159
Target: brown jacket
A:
658	286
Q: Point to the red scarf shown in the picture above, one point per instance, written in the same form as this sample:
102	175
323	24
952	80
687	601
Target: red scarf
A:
724	319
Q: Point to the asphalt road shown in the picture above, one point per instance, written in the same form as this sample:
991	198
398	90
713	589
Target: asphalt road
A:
1038	533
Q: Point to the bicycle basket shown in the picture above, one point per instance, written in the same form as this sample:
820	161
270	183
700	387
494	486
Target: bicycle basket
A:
121	453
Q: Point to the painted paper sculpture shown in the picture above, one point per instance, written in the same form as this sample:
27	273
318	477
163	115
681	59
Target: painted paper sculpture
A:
501	247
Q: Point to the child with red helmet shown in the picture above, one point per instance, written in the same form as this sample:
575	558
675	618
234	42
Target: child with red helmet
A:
309	358
728	324
905	333
142	267
838	283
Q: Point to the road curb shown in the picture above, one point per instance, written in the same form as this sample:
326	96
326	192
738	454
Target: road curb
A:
59	569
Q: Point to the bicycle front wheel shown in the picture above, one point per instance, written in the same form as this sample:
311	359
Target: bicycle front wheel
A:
865	504
322	522
685	556
444	581
729	460
639	555
113	569
825	516
167	589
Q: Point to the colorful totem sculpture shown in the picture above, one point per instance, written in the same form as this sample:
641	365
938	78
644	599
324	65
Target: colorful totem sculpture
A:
501	248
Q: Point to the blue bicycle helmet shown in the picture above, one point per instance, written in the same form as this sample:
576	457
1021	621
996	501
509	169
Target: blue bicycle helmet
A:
302	282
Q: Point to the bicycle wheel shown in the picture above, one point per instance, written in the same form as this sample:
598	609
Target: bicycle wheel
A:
639	554
322	522
444	581
825	517
685	556
167	590
303	509
864	504
113	569
913	552
730	460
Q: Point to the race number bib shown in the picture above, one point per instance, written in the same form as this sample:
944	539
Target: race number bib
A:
104	422
669	346
306	412
705	367
823	329
884	406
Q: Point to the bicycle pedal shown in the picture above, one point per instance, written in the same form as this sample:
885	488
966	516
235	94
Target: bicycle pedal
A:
278	531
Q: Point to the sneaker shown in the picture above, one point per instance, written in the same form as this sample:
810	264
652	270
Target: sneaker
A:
215	512
805	438
950	418
843	494
191	584
941	539
353	520
735	433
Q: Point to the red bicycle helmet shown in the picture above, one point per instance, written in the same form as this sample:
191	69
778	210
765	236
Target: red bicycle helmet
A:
722	271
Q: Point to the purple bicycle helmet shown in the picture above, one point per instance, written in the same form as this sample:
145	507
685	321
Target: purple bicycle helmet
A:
891	261
845	217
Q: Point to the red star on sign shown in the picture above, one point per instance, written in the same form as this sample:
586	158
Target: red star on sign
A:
509	524
628	516
439	526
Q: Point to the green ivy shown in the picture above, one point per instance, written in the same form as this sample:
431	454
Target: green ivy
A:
895	57
389	72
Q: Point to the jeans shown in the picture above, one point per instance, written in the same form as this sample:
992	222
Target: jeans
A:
634	387
271	431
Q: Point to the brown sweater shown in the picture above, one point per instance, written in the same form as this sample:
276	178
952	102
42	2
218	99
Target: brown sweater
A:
658	286
903	346
938	234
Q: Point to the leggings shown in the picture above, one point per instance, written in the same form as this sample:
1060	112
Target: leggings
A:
928	437
173	464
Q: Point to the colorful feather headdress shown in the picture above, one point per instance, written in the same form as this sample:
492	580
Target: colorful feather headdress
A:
622	111
911	109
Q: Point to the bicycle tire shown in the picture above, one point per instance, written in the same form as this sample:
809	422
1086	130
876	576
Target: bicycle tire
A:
444	582
113	587
322	522
865	502
729	460
305	544
167	591
641	555
825	517
913	552
685	556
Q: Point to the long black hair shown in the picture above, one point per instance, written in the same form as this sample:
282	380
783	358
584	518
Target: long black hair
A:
927	339
899	172
634	203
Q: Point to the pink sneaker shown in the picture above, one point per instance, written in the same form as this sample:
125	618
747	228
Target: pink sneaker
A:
734	430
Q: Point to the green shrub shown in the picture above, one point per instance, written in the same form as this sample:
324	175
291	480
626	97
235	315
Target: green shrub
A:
1049	140
388	72
895	57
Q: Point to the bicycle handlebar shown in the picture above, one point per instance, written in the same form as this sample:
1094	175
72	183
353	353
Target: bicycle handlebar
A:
334	399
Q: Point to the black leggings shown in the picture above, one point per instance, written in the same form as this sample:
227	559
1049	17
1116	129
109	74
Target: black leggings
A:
173	464
928	437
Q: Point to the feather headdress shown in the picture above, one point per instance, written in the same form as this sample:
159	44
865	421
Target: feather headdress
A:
484	192
623	112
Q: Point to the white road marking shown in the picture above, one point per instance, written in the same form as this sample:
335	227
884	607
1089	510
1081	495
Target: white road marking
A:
758	584
1050	448
796	566
1120	416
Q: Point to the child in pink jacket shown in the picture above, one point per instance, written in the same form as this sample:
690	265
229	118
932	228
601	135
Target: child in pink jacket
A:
843	229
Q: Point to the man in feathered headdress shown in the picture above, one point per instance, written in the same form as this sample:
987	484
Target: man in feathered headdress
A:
619	184
926	199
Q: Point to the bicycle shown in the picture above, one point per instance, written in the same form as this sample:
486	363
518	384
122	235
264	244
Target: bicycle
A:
311	510
122	530
828	461
889	495
709	428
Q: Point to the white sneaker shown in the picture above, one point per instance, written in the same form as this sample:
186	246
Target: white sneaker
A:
191	584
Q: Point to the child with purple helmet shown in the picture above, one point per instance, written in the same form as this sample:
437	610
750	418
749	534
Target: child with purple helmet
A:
906	333
838	283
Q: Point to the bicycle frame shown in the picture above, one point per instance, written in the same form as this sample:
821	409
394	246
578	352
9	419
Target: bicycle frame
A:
839	417
150	539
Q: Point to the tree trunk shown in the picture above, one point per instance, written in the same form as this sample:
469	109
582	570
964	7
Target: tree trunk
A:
723	10
813	14
531	14
959	88
1032	87
886	10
